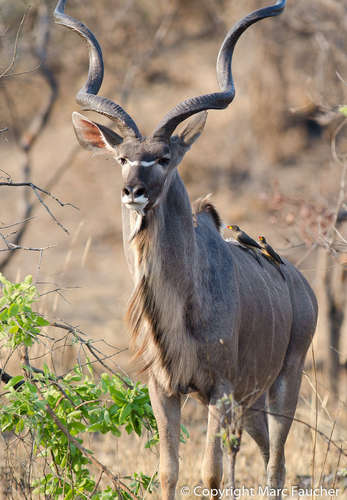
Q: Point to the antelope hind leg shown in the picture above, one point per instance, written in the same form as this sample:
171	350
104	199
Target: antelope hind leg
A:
256	425
282	401
167	411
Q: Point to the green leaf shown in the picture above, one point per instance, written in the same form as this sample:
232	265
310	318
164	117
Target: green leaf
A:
184	435
117	396
13	310
77	427
20	426
115	431
74	415
4	315
7	425
129	428
343	110
136	423
152	442
32	388
14	381
97	427
107	417
40	321
125	412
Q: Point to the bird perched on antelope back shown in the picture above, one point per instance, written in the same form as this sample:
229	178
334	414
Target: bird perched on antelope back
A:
245	241
270	254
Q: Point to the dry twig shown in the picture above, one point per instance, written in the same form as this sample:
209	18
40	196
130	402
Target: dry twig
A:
7	70
28	138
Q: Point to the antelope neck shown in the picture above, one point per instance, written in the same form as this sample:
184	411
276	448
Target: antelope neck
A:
170	233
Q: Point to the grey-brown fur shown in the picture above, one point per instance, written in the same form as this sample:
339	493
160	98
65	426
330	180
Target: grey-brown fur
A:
207	318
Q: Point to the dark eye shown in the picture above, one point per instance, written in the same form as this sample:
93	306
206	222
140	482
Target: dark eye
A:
122	161
164	161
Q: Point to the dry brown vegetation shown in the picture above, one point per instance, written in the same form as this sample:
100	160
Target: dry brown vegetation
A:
267	160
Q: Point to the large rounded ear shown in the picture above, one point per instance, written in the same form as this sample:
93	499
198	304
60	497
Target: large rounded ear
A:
193	129
94	136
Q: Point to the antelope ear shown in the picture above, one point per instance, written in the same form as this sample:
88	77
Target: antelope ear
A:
193	129
94	136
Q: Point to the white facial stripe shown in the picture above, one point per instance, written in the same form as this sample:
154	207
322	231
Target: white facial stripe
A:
142	163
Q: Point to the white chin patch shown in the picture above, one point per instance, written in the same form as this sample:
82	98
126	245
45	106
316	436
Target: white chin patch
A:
138	204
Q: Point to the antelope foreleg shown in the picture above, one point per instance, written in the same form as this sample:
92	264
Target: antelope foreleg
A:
167	411
212	466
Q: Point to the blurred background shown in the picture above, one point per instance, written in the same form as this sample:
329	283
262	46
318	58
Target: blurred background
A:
274	161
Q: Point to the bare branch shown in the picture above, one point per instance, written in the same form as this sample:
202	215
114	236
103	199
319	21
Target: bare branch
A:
27	72
15	48
16	223
11	246
38	123
94	351
36	190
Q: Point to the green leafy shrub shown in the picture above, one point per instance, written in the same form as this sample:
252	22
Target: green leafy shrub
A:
19	324
59	412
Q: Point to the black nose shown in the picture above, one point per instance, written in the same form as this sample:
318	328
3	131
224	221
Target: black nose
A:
134	191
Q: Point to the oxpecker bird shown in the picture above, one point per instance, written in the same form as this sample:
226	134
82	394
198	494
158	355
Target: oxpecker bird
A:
246	241
270	254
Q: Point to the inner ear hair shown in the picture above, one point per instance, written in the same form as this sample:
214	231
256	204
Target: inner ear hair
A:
193	128
94	136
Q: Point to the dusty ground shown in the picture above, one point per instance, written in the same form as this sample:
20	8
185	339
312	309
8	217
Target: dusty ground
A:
244	152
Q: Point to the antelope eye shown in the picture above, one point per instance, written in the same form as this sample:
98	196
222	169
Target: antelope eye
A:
164	161
122	161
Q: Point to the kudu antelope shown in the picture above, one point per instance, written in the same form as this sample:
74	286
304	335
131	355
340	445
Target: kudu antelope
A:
210	319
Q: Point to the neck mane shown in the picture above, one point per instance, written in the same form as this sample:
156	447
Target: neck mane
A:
163	260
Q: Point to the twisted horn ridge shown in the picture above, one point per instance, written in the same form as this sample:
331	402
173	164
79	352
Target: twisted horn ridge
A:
217	100
87	95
